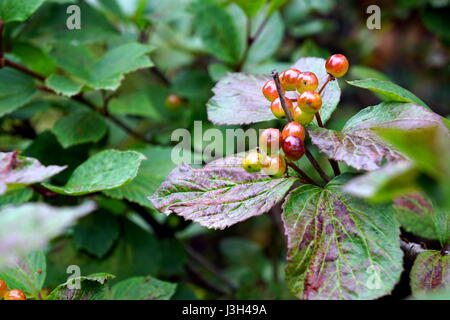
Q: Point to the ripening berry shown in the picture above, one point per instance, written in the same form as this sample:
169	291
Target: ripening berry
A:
4	286
288	79
270	141
293	148
307	81
301	116
277	108
14	294
174	101
275	166
337	65
253	162
270	90
310	101
293	129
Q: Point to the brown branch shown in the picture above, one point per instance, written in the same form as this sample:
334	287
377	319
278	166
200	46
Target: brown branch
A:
276	78
23	69
305	178
411	249
316	166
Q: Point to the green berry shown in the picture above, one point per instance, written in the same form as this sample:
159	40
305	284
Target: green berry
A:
253	162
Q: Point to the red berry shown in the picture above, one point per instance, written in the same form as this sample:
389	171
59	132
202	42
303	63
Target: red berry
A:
275	166
253	162
293	147
310	101
301	116
293	129
14	294
270	90
288	79
270	141
277	108
307	81
3	288
337	65
173	101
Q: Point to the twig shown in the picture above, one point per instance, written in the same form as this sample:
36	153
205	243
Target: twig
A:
316	166
276	78
23	69
411	249
306	179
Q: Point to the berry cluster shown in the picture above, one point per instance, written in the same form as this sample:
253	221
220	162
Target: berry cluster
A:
13	294
291	139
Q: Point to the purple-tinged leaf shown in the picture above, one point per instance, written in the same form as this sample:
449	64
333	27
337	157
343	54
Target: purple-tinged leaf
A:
358	144
340	247
238	97
219	194
17	171
430	273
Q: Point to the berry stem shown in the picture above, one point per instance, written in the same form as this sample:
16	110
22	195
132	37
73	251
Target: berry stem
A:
276	78
330	78
317	166
305	178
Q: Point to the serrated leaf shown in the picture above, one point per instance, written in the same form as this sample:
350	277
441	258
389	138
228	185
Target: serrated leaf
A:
220	194
96	233
106	72
216	29
18	10
389	91
16	90
90	288
238	98
80	127
30	226
340	247
141	288
418	215
28	274
134	104
360	146
106	170
18	171
430	273
16	196
151	174
63	85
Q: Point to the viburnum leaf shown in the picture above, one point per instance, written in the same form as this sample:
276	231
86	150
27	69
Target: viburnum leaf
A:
430	273
105	170
17	89
18	171
238	97
360	146
28	274
63	85
90	287
220	194
80	127
30	226
340	247
141	288
387	90
418	215
18	10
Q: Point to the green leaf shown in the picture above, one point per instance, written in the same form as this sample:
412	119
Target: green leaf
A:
18	10
106	170
16	90
430	273
30	226
106	72
141	288
16	197
28	274
362	72
33	57
275	5
220	194
96	233
420	216
63	85
251	8
91	288
80	127
18	171
151	174
340	247
388	91
134	104
216	29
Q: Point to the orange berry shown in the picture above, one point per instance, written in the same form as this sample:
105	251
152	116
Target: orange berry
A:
277	108
269	90
15	294
293	129
288	79
337	65
310	101
307	81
